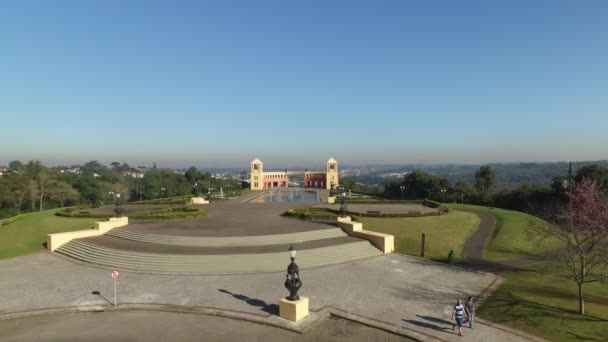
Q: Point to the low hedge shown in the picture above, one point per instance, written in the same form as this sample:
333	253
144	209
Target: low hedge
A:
328	213
169	200
13	219
312	214
158	214
379	201
64	213
441	211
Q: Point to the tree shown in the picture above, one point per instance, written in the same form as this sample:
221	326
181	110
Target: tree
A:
14	189
93	167
594	172
485	178
62	192
581	225
40	176
15	165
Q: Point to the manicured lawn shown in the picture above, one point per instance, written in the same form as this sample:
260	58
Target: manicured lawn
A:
28	234
443	232
511	239
540	301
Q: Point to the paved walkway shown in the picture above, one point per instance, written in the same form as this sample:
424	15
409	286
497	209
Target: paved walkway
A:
380	291
475	246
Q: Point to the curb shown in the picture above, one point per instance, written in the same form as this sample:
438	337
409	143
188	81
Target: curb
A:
315	317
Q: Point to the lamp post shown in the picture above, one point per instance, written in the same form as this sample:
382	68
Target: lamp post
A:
117	207
343	207
566	186
402	189
292	280
443	191
209	194
195	189
164	191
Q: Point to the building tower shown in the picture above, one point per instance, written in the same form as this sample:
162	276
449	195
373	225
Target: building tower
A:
257	175
331	174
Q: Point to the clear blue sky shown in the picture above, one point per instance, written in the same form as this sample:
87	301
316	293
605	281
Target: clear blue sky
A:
218	83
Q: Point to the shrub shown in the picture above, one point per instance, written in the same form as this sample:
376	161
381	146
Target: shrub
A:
13	219
158	214
169	200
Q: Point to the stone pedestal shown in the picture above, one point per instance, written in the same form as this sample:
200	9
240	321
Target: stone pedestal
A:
293	310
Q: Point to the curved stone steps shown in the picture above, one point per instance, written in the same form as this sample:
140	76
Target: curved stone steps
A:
227	241
215	264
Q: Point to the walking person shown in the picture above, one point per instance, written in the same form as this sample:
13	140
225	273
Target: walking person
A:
458	314
469	308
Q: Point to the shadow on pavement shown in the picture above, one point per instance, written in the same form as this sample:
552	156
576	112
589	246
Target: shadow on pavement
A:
97	293
272	309
428	325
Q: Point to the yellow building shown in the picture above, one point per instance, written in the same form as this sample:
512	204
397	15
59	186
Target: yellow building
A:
261	180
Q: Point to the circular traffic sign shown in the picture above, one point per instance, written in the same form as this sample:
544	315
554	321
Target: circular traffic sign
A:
114	274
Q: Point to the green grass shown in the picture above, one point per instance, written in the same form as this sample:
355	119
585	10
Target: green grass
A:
29	233
443	232
542	302
511	239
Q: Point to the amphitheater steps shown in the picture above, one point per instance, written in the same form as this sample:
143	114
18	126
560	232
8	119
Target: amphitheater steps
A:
227	241
214	264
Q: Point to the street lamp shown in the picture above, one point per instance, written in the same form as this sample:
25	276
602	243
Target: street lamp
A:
118	210
443	191
402	189
209	194
195	189
164	190
343	207
292	280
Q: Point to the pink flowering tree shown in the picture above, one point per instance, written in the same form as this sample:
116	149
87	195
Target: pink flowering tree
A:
581	225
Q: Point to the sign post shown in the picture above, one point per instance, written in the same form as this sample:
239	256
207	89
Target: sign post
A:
422	243
114	275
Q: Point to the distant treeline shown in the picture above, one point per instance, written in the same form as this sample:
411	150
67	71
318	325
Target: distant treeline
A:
35	187
508	175
483	189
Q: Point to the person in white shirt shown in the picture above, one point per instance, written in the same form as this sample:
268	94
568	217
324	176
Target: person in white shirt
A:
458	314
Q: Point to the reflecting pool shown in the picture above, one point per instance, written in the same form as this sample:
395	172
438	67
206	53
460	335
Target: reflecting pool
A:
295	195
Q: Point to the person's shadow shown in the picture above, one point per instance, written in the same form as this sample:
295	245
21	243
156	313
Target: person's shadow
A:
433	323
272	309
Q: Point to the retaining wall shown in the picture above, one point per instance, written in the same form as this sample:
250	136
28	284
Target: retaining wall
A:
56	240
384	242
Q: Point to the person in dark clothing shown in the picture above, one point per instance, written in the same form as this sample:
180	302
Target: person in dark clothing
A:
469	308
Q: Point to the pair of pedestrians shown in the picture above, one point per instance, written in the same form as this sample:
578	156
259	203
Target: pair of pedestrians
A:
459	312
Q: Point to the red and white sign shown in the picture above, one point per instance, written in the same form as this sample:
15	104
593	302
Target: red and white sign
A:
114	274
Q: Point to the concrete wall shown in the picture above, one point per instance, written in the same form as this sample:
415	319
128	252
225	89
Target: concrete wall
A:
384	242
56	240
198	200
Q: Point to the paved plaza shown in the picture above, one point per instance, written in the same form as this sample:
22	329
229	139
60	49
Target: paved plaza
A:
397	293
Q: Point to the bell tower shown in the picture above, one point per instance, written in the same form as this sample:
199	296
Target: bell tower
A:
331	174
257	175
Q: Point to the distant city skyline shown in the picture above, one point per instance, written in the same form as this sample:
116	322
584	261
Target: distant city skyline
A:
295	83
